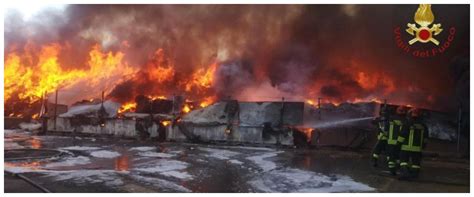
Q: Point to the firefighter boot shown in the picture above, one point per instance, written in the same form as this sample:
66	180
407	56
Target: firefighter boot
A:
414	171
404	173
393	171
375	160
392	168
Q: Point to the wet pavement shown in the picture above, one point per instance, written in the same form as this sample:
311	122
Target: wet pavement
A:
100	164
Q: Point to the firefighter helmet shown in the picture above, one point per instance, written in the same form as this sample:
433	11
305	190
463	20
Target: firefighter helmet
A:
402	110
415	113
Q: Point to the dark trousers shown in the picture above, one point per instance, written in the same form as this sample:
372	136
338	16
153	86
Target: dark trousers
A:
393	157
410	163
379	147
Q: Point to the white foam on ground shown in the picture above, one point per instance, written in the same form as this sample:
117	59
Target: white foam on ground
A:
107	177
295	180
82	176
219	153
105	154
143	148
155	154
177	174
80	148
175	152
164	167
265	165
70	161
237	162
164	185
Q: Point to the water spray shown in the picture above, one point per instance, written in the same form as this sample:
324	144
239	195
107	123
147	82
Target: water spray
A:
338	122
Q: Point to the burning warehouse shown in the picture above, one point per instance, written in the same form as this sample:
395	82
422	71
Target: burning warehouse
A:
157	89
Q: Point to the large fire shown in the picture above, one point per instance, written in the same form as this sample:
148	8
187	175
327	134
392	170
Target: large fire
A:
33	74
243	52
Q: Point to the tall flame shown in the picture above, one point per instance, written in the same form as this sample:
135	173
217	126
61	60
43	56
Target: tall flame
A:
44	76
29	80
202	78
160	68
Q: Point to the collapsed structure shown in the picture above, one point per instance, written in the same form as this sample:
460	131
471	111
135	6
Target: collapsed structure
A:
241	122
231	121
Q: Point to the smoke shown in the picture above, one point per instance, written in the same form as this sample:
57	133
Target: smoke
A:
232	77
263	52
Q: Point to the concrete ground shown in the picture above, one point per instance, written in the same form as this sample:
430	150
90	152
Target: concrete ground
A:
14	185
101	164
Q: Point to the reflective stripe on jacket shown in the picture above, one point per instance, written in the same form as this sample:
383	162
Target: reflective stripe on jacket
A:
394	130
413	139
382	134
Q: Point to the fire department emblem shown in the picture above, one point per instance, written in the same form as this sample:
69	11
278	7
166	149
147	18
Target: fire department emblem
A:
424	33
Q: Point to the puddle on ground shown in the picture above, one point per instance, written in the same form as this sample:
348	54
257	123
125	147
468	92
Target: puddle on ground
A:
122	163
30	165
35	143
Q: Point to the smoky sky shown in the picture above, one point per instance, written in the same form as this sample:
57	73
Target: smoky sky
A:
291	46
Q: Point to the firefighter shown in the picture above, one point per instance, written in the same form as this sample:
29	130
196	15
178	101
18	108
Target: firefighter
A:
396	124
382	127
412	140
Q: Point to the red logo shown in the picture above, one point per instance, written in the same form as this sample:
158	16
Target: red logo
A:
423	34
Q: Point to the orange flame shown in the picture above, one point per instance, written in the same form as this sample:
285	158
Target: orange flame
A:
202	78
35	116
45	76
165	122
31	79
311	102
157	97
127	107
160	69
207	101
186	108
308	132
